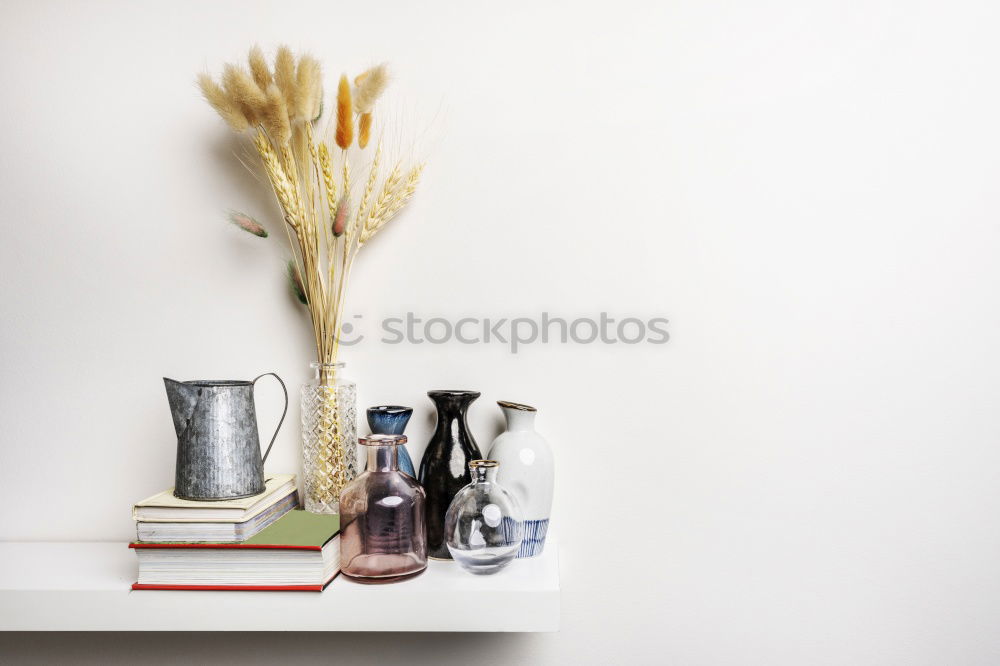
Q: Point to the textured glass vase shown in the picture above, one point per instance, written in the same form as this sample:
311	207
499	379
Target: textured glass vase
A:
383	533
329	434
483	526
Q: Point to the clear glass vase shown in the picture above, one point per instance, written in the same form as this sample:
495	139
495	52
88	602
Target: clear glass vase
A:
329	436
483	527
383	532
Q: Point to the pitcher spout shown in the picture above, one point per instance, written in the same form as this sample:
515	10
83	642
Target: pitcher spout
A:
183	398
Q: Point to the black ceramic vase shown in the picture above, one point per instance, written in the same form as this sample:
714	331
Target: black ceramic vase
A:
444	469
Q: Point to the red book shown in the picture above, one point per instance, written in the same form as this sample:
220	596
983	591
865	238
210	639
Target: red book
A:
299	551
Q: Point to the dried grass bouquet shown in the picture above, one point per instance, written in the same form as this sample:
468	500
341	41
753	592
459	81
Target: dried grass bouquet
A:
326	218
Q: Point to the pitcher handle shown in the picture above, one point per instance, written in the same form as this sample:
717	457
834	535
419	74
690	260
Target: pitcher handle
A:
280	421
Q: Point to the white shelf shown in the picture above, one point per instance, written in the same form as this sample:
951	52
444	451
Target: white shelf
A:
85	587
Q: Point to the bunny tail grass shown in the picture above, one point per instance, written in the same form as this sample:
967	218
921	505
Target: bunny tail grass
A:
308	79
222	103
247	224
284	76
242	89
275	116
343	212
369	86
345	122
295	282
364	129
258	68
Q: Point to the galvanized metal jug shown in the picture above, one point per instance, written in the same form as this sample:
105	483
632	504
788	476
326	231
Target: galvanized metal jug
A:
218	448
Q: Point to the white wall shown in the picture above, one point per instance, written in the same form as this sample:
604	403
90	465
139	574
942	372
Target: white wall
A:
806	473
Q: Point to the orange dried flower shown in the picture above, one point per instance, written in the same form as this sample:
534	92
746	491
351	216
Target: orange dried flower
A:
364	129
345	120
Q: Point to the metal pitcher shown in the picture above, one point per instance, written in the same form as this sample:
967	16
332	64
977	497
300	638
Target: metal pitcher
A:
218	448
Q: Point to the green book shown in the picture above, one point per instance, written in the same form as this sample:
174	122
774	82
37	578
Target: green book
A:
298	528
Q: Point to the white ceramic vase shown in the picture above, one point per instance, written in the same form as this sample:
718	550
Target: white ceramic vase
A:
526	470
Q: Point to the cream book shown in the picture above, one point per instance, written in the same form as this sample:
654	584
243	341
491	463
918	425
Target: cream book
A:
164	507
214	531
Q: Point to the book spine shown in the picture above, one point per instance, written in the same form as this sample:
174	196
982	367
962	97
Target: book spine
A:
248	546
246	588
258	588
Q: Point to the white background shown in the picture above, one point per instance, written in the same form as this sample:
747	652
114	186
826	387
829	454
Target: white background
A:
807	473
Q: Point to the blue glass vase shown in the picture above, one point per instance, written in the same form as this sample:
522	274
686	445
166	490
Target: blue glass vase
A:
392	420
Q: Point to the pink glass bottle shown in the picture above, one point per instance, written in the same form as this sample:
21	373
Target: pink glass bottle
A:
383	530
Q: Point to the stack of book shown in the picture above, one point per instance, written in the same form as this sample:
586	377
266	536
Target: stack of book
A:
255	543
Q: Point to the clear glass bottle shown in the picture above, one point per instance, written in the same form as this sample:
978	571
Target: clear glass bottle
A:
329	433
483	527
383	530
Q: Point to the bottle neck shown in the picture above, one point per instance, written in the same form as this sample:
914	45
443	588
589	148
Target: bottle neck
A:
452	405
382	458
519	419
327	374
383	422
450	419
484	474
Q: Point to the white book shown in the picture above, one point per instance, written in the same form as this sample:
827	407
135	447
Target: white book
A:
299	551
165	507
270	568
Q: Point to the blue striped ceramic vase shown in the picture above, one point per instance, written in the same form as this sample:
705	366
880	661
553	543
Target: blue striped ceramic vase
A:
527	471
